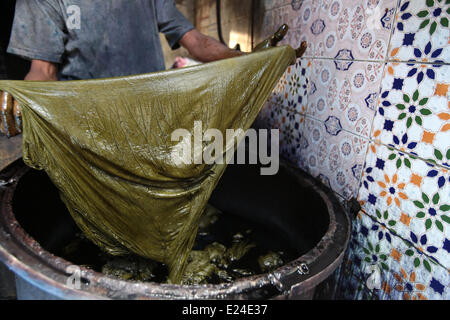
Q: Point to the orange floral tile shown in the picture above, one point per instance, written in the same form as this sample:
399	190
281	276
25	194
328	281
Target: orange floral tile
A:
415	196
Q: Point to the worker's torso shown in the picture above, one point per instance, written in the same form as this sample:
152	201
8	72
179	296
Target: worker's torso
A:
110	38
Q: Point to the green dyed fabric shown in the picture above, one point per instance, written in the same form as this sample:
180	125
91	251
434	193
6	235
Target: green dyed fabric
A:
106	144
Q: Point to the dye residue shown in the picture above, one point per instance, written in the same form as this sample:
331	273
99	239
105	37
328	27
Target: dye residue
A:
227	248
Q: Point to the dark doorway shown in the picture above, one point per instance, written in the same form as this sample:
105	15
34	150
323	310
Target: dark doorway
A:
11	67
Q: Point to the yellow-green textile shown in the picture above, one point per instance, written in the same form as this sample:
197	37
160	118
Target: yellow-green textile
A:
106	144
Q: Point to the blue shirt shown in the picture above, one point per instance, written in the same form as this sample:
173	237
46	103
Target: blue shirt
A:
97	38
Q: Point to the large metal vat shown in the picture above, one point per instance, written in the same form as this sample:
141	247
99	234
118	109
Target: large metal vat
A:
32	218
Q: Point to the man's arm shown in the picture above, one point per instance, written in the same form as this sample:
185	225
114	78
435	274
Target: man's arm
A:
38	34
206	49
42	71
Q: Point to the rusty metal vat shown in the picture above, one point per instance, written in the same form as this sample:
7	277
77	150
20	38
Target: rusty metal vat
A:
300	207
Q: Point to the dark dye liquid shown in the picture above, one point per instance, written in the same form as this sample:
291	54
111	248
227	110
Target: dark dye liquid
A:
42	214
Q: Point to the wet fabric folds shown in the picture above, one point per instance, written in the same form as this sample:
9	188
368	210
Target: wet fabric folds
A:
107	145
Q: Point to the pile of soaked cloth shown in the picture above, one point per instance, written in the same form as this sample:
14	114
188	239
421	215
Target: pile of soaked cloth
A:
107	145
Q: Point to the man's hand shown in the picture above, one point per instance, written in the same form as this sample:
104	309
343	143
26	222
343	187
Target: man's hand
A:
272	41
206	49
42	71
181	62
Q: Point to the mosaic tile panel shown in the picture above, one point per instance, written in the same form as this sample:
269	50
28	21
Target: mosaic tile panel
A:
349	286
330	105
422	32
291	136
289	94
414	113
409	196
296	86
405	273
289	123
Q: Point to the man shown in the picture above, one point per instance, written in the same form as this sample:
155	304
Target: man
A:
85	39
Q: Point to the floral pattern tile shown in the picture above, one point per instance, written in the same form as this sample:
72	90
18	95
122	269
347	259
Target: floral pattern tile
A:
287	120
406	273
291	136
297	86
414	111
422	31
336	160
360	30
378	129
410	197
289	96
351	288
272	116
344	94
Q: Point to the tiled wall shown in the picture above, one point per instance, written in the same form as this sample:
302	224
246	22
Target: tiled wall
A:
367	112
